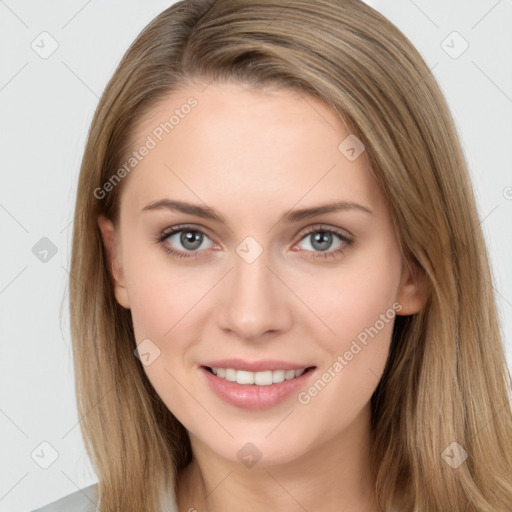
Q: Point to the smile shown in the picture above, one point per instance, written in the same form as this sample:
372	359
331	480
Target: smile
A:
260	389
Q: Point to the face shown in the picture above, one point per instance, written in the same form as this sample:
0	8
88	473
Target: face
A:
259	284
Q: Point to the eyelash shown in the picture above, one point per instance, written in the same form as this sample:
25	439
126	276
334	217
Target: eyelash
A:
166	233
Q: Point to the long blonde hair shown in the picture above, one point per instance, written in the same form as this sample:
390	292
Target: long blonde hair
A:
445	388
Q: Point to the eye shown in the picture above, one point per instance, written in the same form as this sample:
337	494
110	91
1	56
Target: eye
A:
192	240
323	240
189	238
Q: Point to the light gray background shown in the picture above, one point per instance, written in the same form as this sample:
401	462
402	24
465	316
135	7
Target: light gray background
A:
46	108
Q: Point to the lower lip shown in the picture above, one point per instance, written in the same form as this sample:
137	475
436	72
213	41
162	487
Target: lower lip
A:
249	396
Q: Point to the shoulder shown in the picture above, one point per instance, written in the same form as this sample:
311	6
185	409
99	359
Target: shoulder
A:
83	500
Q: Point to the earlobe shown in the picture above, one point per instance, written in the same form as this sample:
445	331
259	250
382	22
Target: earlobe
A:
412	293
110	242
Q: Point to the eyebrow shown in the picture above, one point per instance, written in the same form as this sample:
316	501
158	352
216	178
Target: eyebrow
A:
289	217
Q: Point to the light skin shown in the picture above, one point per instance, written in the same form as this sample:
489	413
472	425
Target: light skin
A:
253	156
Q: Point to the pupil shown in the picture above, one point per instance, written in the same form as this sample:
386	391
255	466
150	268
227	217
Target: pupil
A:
324	239
191	237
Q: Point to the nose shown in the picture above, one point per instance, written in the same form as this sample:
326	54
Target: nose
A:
255	302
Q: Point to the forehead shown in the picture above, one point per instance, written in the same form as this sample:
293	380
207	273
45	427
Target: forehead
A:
230	144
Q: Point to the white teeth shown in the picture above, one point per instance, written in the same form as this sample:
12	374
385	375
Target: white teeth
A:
265	378
230	374
289	374
278	376
243	377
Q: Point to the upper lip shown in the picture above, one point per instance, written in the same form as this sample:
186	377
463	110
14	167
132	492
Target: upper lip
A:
255	366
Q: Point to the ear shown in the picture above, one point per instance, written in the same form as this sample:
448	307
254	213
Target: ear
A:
412	292
111	244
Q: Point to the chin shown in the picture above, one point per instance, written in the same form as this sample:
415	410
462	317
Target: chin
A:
259	451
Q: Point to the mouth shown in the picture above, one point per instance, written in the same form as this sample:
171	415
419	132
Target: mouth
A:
260	378
256	384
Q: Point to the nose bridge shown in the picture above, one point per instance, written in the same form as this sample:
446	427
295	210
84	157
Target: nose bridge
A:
255	300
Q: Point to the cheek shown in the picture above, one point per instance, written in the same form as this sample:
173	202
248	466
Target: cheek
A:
362	316
161	293
162	298
360	309
165	301
352	299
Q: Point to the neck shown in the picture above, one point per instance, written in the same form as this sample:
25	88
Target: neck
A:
332	476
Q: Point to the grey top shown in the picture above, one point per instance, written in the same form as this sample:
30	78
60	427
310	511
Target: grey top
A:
84	500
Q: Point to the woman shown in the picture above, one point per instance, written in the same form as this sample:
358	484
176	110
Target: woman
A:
280	290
